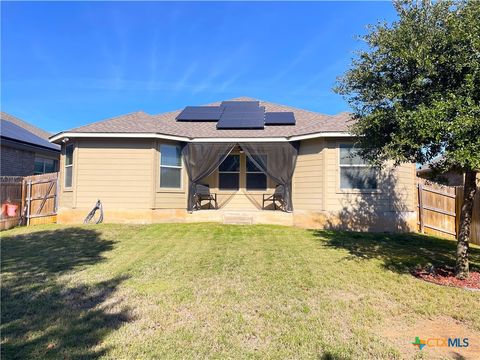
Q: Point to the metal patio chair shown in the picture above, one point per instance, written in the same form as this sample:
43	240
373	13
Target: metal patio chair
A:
277	197
202	193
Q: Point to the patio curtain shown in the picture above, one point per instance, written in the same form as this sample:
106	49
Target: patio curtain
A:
276	160
201	159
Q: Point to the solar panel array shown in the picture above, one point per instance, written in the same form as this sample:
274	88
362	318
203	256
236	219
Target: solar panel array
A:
15	132
237	115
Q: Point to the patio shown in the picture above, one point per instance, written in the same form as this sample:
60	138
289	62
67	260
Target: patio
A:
241	217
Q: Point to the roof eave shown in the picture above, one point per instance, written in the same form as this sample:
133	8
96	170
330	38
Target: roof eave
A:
60	137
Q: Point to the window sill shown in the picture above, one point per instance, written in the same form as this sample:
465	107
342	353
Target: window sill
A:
170	190
68	190
358	191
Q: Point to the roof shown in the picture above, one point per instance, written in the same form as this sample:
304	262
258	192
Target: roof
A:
14	129
307	122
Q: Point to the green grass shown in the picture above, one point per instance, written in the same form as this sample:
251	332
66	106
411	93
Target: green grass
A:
218	291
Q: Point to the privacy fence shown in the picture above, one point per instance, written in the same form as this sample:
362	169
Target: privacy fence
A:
439	211
28	200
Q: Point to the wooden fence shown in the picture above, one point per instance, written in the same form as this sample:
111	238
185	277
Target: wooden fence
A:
36	197
10	193
439	211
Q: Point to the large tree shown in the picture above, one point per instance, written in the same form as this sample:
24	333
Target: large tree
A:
415	94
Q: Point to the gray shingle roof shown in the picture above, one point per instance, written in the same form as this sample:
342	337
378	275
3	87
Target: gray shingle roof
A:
307	122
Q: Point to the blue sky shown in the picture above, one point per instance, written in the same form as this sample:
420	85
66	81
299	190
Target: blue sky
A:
68	64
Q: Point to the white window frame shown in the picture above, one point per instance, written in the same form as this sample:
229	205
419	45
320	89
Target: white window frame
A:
239	172
254	172
68	166
171	167
340	166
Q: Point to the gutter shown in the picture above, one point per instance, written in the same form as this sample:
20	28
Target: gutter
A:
63	135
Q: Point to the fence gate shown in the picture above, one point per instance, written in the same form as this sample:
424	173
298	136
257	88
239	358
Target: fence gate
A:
40	199
439	211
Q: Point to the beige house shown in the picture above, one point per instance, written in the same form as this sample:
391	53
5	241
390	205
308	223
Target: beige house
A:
145	168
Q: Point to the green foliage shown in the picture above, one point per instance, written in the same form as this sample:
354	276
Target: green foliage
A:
415	90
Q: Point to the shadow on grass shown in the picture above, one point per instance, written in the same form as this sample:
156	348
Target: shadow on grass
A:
398	252
45	318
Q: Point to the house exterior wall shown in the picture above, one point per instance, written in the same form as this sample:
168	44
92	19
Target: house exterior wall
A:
16	162
124	174
309	176
18	159
319	201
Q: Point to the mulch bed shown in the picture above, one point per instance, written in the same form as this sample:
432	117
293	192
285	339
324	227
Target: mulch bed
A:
446	276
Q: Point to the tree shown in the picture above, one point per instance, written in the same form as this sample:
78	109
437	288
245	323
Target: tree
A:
415	94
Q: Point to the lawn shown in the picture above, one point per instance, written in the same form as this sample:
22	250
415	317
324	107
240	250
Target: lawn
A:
220	291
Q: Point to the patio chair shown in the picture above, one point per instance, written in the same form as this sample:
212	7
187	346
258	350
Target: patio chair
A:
202	193
277	197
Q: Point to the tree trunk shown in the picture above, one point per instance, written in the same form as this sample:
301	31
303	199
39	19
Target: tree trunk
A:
470	187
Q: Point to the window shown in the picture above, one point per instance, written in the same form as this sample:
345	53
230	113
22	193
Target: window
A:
355	172
256	179
170	166
44	165
229	173
68	165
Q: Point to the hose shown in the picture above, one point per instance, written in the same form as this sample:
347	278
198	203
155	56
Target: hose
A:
91	214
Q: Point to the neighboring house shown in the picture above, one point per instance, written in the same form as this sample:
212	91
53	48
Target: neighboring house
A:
146	168
25	149
450	178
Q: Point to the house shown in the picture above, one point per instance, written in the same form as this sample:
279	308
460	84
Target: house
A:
147	168
427	173
25	149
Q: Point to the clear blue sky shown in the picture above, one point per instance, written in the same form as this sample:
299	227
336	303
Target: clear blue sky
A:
68	64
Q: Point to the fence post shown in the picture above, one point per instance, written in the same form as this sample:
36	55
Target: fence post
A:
57	191
458	208
22	209
29	200
420	207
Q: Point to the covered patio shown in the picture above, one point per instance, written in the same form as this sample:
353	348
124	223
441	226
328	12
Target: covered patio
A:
231	176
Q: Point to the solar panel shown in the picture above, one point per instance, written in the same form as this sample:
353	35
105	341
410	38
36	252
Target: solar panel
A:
200	113
237	115
15	132
240	119
240	104
279	118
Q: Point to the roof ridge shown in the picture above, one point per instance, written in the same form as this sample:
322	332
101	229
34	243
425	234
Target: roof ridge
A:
294	108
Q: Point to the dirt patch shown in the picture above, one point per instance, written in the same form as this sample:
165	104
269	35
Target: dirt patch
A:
446	276
434	332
